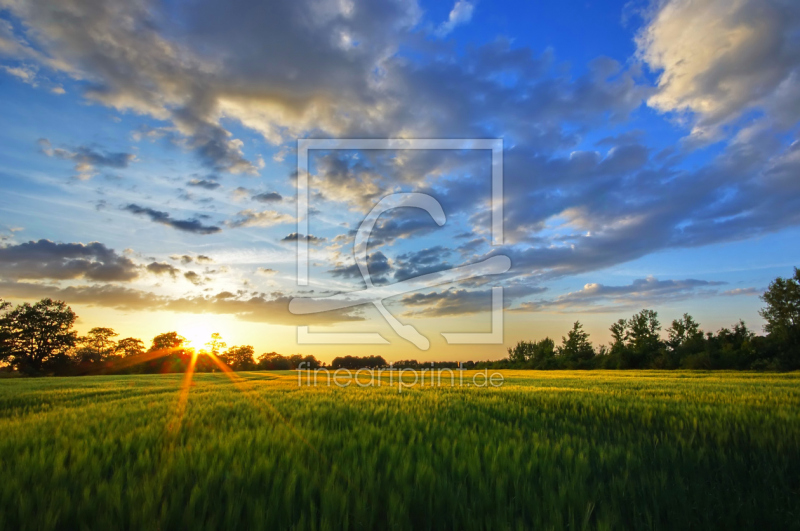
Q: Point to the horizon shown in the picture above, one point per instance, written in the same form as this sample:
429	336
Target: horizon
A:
150	165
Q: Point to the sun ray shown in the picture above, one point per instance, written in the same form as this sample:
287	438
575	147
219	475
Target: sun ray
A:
175	423
258	401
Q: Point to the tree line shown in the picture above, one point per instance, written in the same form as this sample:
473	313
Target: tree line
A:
637	343
39	339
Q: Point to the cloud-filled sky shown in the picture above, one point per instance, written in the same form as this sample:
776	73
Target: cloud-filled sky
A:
149	162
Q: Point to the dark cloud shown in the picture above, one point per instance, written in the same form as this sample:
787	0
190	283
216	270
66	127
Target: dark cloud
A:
87	158
161	268
268	197
377	263
45	259
416	263
293	237
204	183
193	277
185	225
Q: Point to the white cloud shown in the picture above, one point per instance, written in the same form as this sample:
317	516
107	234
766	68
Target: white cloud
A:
460	14
719	58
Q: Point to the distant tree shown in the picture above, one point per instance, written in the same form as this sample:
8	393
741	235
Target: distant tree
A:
216	344
167	340
310	362
97	345
683	331
576	346
521	352
367	362
643	341
272	361
5	347
38	337
172	354
533	354
129	346
618	333
782	315
240	358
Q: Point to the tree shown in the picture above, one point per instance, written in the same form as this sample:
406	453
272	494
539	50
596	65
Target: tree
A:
240	358
170	353
642	338
97	345
167	341
576	346
129	347
534	354
782	314
216	344
272	361
683	331
38	337
5	351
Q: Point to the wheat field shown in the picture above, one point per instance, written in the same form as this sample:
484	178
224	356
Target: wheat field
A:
546	450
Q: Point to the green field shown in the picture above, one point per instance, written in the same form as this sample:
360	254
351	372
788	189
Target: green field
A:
548	450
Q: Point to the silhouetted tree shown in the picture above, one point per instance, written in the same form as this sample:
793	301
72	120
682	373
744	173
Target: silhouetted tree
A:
129	346
239	358
39	337
174	356
782	314
576	347
272	361
96	346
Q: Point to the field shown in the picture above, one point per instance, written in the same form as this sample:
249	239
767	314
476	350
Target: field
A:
547	450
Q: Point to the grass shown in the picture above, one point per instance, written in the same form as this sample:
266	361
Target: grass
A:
554	450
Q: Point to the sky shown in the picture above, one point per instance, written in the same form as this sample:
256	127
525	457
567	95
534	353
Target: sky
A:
149	169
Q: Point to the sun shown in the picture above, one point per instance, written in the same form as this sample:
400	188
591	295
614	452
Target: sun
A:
197	331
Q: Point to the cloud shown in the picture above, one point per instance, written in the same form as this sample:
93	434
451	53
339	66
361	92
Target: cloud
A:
254	307
204	183
193	277
719	58
266	271
268	197
86	159
186	225
45	259
203	259
742	291
601	298
332	68
161	268
460	14
277	69
416	263
459	301
25	73
264	218
378	264
293	237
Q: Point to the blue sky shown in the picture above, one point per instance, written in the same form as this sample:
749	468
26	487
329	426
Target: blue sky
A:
651	160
